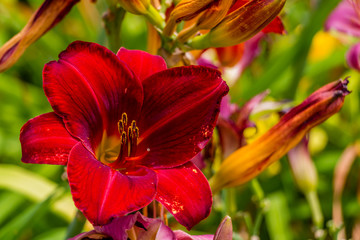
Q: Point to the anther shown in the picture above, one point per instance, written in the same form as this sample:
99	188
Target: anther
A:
123	138
124	118
121	126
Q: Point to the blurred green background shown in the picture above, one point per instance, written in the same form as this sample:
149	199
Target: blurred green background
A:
36	203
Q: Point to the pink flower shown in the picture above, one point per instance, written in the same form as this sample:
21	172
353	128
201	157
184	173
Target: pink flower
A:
126	127
138	227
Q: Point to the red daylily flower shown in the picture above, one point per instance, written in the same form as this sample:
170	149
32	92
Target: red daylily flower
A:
126	127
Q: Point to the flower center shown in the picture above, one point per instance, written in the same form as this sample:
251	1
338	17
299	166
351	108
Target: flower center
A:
128	137
113	151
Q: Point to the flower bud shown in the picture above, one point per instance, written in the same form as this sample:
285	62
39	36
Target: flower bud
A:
302	167
240	25
208	19
45	18
184	10
138	7
250	160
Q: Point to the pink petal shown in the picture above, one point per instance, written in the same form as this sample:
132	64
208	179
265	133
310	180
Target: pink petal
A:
155	230
44	139
117	228
180	235
180	109
101	192
90	88
185	192
142	63
230	139
353	57
345	18
86	235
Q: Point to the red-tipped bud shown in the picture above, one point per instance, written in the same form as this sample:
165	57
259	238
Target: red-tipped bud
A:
249	161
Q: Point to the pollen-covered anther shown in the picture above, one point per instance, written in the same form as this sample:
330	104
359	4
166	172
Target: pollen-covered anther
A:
128	137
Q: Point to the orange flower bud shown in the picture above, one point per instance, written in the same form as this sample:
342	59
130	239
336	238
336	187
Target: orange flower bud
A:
185	10
208	19
240	25
250	160
138	7
45	18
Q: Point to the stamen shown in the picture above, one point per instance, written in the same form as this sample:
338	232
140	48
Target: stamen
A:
128	140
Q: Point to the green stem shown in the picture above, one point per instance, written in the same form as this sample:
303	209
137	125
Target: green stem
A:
154	17
113	20
257	224
261	202
76	226
255	185
200	42
316	212
230	201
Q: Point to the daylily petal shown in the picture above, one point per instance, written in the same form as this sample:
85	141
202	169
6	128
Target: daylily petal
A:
90	88
156	230
243	121
275	26
117	228
101	192
230	56
230	139
142	63
185	192
180	235
231	132
179	114
237	4
345	18
223	232
87	235
45	18
134	226
44	139
353	57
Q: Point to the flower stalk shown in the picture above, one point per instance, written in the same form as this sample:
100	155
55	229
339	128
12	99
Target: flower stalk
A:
76	226
317	216
113	19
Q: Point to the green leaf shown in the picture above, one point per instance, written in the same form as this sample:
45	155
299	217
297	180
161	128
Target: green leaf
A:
25	220
35	188
277	217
